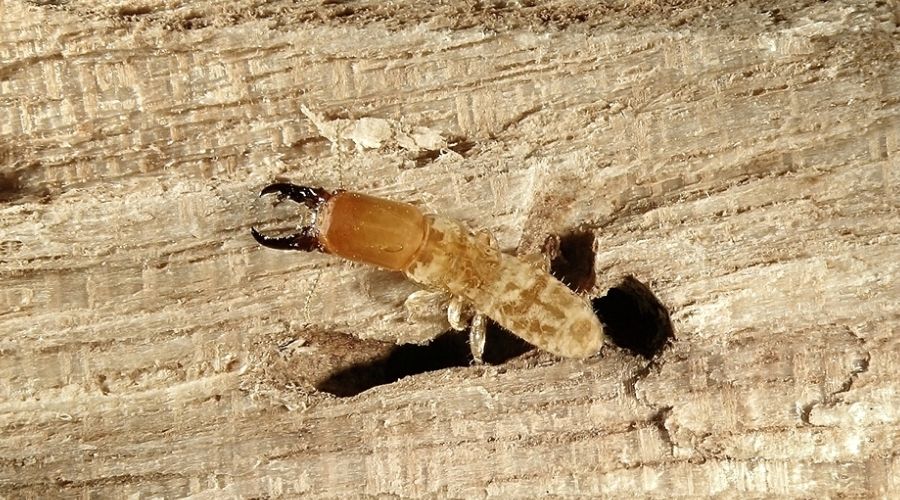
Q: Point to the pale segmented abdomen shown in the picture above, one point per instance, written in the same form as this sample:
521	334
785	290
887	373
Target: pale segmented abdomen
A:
523	299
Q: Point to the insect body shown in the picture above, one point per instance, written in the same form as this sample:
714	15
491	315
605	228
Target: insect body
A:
441	254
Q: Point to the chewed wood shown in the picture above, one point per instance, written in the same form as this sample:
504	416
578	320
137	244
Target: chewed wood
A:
525	300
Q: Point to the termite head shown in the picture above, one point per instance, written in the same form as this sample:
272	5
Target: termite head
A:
307	239
355	226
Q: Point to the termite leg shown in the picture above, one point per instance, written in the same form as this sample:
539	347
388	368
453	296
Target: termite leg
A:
459	314
477	336
307	239
425	306
477	321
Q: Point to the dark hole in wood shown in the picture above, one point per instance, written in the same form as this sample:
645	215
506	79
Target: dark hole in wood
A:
634	318
445	351
573	260
456	145
14	186
10	187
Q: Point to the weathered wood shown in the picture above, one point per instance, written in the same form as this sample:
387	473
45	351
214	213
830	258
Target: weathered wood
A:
742	162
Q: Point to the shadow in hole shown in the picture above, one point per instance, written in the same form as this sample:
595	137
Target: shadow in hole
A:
10	186
14	188
456	145
445	351
634	318
573	260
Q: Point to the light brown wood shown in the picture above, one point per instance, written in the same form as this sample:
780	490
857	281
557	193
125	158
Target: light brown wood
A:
741	161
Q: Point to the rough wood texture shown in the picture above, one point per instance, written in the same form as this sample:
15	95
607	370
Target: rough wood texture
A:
740	161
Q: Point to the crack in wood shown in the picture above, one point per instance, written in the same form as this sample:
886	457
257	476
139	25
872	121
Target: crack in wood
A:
858	367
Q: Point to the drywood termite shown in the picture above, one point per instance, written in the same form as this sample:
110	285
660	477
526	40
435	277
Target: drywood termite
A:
441	254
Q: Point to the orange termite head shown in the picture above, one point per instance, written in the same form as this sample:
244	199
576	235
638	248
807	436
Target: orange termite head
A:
355	226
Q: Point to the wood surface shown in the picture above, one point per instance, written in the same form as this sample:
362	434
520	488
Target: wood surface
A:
741	160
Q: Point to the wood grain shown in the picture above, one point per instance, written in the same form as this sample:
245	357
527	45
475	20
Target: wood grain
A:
740	161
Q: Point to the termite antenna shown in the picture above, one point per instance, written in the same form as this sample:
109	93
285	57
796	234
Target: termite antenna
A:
307	239
309	296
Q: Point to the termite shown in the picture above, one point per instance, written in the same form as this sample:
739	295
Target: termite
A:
441	254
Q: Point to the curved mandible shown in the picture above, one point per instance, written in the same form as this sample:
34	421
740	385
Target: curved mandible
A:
307	239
